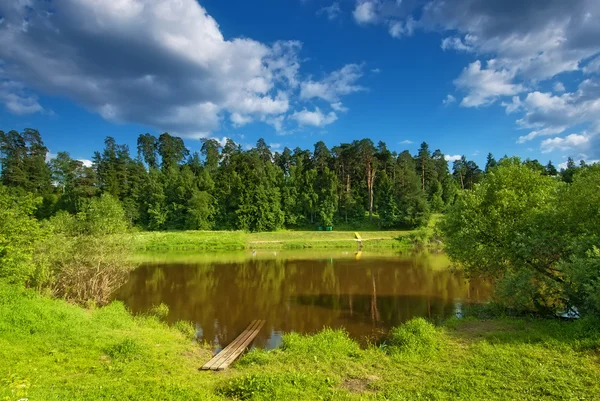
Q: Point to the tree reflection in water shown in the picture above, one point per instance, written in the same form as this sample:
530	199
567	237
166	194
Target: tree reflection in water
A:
366	295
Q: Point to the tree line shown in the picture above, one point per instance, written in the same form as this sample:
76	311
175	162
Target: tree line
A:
165	186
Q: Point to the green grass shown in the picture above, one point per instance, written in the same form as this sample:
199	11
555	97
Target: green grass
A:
238	240
51	350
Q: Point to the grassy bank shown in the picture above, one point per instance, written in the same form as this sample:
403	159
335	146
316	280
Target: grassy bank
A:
238	240
53	350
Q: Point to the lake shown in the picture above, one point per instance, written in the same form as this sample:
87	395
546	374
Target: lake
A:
366	294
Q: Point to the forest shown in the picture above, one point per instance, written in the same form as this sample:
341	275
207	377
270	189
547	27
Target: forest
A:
165	186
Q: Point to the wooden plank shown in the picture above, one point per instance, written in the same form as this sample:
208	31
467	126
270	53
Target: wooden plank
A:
221	356
233	347
241	348
217	359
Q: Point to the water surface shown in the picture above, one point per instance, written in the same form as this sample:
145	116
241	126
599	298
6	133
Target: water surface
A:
300	291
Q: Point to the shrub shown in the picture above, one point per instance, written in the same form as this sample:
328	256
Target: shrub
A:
417	336
88	260
20	234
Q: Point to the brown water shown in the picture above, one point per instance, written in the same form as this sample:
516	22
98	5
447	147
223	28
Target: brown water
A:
303	292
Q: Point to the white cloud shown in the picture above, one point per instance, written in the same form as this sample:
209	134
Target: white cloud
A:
593	67
50	156
314	118
406	142
339	107
240	120
559	87
275	146
222	141
484	86
451	158
338	83
17	100
512	106
365	12
398	29
332	12
449	100
563	165
573	141
521	44
455	43
160	63
86	162
547	114
375	70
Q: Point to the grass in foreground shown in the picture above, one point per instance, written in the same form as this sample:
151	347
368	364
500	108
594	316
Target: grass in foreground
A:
53	350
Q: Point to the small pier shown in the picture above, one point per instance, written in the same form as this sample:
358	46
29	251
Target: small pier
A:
230	353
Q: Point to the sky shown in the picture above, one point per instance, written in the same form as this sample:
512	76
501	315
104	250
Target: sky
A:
514	77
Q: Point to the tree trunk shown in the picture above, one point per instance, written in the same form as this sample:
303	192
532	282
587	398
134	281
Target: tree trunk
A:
371	192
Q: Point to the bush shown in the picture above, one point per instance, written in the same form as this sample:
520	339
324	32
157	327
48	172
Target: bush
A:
20	234
88	260
417	336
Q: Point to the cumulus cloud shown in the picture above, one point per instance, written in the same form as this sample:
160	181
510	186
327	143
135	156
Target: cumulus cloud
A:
160	63
573	141
314	118
485	85
519	44
452	158
365	12
406	142
334	85
548	114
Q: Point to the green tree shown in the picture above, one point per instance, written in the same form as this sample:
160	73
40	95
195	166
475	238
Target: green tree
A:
147	146
172	150
490	163
550	169
500	231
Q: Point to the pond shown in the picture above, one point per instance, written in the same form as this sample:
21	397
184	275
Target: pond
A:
366	294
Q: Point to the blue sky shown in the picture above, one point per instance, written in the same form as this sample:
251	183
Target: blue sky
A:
467	76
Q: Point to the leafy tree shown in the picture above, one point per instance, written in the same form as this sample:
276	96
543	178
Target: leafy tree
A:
500	230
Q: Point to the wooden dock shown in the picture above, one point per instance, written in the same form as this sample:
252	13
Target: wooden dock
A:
230	353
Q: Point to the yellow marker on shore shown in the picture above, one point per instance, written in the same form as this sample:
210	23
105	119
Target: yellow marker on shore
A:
357	235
